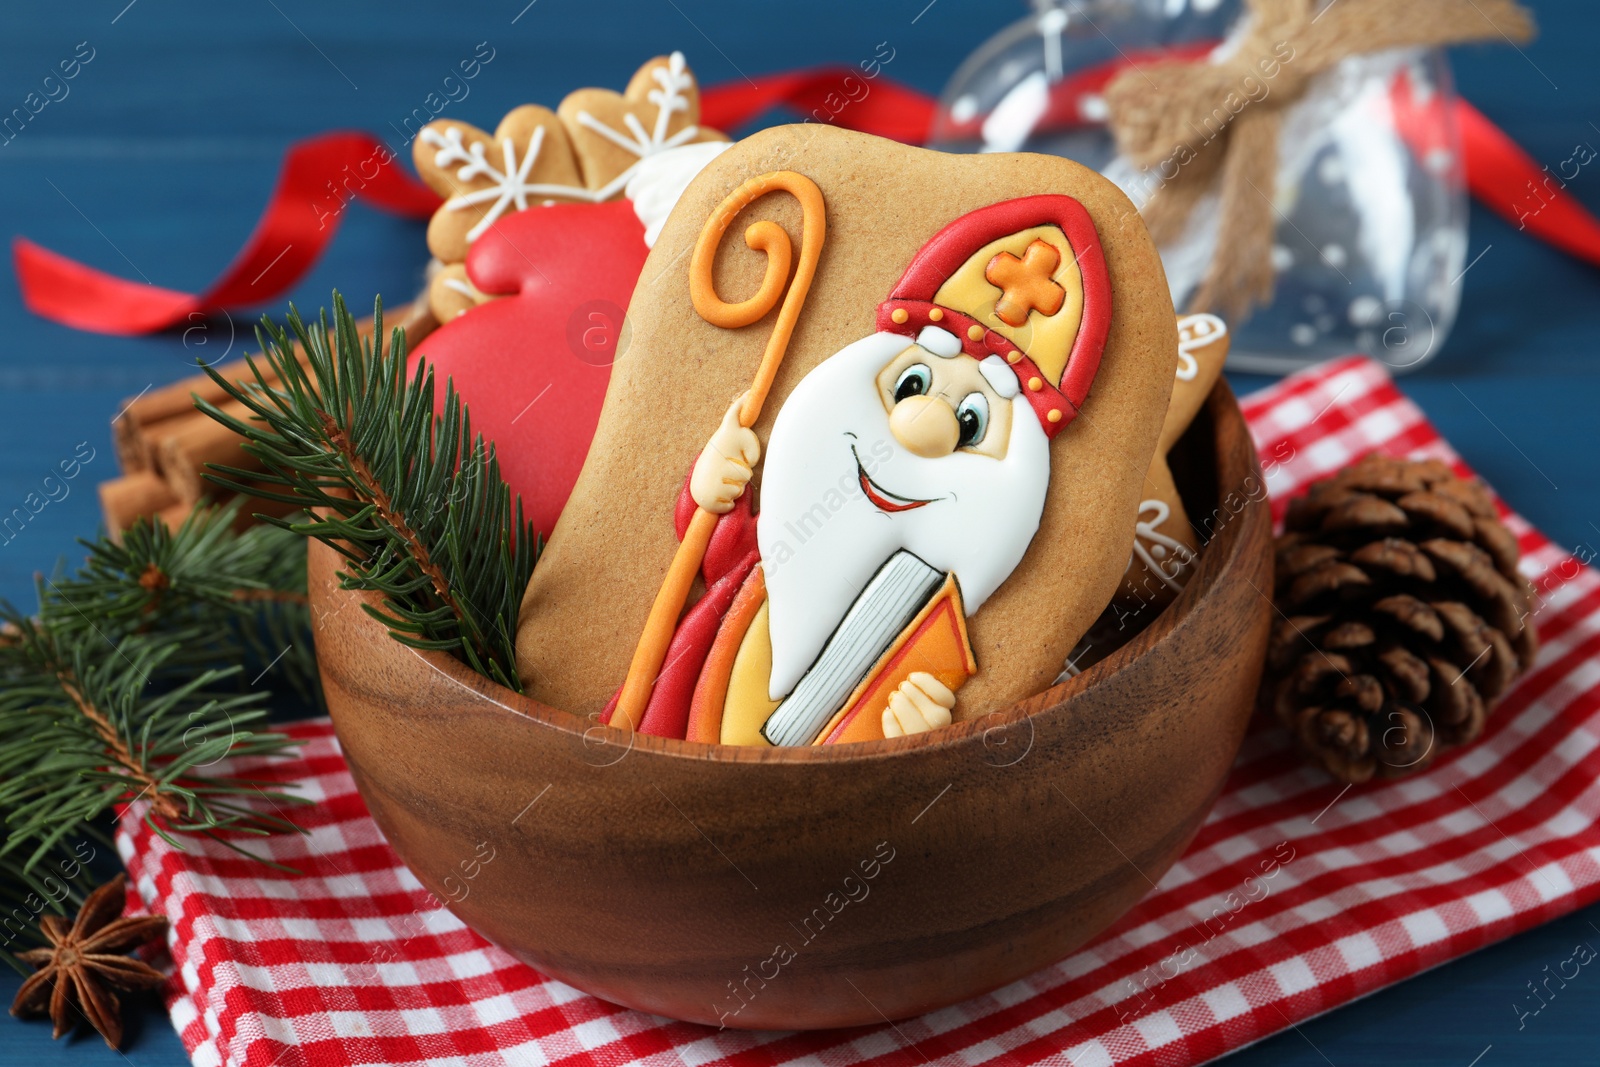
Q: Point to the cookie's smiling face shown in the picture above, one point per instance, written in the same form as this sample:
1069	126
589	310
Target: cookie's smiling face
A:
890	445
939	405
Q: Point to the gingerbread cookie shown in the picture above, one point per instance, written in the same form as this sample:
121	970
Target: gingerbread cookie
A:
901	436
612	133
585	152
1165	545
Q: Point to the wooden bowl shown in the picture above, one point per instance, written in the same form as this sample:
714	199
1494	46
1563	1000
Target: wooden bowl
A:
828	886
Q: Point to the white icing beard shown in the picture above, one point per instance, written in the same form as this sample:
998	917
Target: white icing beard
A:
822	539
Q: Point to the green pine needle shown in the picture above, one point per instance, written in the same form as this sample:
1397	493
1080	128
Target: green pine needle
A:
401	488
131	683
88	727
245	593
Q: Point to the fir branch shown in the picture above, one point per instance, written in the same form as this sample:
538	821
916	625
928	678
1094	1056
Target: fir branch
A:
86	729
244	592
369	488
399	486
113	746
119	689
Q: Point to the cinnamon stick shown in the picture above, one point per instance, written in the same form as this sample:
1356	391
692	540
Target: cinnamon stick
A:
131	429
125	499
143	417
185	445
164	444
142	495
416	318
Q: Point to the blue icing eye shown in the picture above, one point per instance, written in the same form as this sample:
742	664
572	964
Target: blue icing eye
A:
973	416
915	380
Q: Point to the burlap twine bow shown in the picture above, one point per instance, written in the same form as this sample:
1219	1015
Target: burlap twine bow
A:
1192	123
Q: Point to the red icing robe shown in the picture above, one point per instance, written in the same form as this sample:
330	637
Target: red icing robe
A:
936	640
730	557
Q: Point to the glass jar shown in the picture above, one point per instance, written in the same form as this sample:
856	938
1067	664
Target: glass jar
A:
1370	197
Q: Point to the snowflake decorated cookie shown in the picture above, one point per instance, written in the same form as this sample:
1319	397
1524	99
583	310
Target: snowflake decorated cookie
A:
585	152
612	133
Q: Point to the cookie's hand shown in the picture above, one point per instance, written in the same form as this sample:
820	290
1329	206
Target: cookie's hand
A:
725	466
921	703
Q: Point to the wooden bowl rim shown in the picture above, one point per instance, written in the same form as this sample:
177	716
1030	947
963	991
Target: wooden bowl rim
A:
1233	467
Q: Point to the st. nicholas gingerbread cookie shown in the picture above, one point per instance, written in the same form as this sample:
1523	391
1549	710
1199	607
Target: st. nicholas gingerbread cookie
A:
902	437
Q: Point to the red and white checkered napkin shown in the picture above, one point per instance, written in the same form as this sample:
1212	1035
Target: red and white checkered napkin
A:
1297	896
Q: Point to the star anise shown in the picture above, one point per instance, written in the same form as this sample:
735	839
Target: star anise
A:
85	963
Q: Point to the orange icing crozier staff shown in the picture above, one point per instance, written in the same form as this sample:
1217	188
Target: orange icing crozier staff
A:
764	236
903	482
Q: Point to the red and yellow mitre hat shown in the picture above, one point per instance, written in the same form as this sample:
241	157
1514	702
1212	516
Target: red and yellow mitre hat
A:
1023	280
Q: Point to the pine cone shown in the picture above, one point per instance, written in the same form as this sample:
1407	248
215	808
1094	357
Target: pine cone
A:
1402	617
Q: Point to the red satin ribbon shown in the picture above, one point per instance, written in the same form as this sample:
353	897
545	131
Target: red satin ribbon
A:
319	177
1508	181
322	173
841	96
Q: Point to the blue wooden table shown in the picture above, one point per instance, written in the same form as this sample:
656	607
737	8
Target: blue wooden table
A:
157	161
